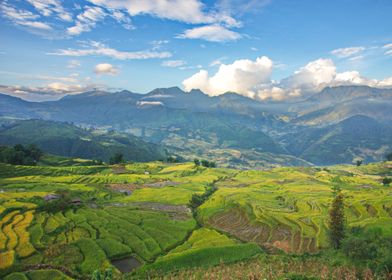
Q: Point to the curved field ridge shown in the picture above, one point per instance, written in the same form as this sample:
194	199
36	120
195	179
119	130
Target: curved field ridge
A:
159	214
287	208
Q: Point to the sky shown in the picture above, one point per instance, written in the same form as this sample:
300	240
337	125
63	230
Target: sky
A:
263	49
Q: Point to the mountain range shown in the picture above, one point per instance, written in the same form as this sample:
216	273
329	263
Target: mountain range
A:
336	125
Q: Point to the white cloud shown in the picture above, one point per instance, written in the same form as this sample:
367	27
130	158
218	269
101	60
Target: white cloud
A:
277	93
50	91
212	33
388	49
86	20
190	11
216	62
35	25
243	77
105	68
347	52
149	103
356	58
173	63
72	64
99	49
51	7
157	44
312	76
252	79
23	17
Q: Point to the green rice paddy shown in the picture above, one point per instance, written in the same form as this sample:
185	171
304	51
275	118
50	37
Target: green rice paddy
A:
141	210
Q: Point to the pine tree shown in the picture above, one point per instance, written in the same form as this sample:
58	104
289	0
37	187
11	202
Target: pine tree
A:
336	219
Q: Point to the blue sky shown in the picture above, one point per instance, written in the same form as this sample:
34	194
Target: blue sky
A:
266	49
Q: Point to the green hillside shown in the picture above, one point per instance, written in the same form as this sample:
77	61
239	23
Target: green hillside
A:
136	219
71	141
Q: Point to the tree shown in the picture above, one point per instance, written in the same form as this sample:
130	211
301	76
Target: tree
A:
336	218
34	152
359	162
20	155
117	158
172	159
197	162
386	181
389	157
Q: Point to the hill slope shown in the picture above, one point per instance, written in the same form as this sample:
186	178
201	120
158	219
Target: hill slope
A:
68	140
355	137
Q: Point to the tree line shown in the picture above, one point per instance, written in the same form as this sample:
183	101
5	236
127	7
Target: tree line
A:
20	155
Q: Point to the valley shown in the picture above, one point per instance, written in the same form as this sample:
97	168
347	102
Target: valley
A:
336	125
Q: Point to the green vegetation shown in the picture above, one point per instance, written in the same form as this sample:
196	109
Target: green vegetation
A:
62	222
369	248
204	163
20	155
336	218
386	181
64	139
117	158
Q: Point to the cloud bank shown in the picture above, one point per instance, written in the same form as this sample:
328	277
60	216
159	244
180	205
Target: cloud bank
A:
253	79
99	49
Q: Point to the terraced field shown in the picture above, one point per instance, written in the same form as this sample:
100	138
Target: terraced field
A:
287	208
66	222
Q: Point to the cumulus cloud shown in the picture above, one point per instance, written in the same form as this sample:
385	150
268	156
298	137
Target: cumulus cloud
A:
252	79
243	77
105	69
347	52
312	76
212	33
173	63
99	49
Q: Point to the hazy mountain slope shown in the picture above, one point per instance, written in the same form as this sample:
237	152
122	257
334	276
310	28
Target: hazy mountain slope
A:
15	107
332	105
355	137
68	140
242	129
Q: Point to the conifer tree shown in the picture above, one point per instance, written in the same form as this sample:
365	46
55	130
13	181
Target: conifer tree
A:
336	218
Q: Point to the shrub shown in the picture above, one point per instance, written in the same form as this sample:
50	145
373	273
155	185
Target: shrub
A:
20	155
117	158
386	181
370	248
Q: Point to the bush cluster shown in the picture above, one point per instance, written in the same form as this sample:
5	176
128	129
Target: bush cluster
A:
20	155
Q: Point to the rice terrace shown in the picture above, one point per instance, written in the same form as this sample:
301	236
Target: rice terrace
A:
247	215
195	140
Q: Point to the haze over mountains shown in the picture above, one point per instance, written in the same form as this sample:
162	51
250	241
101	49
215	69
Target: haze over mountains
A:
336	125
